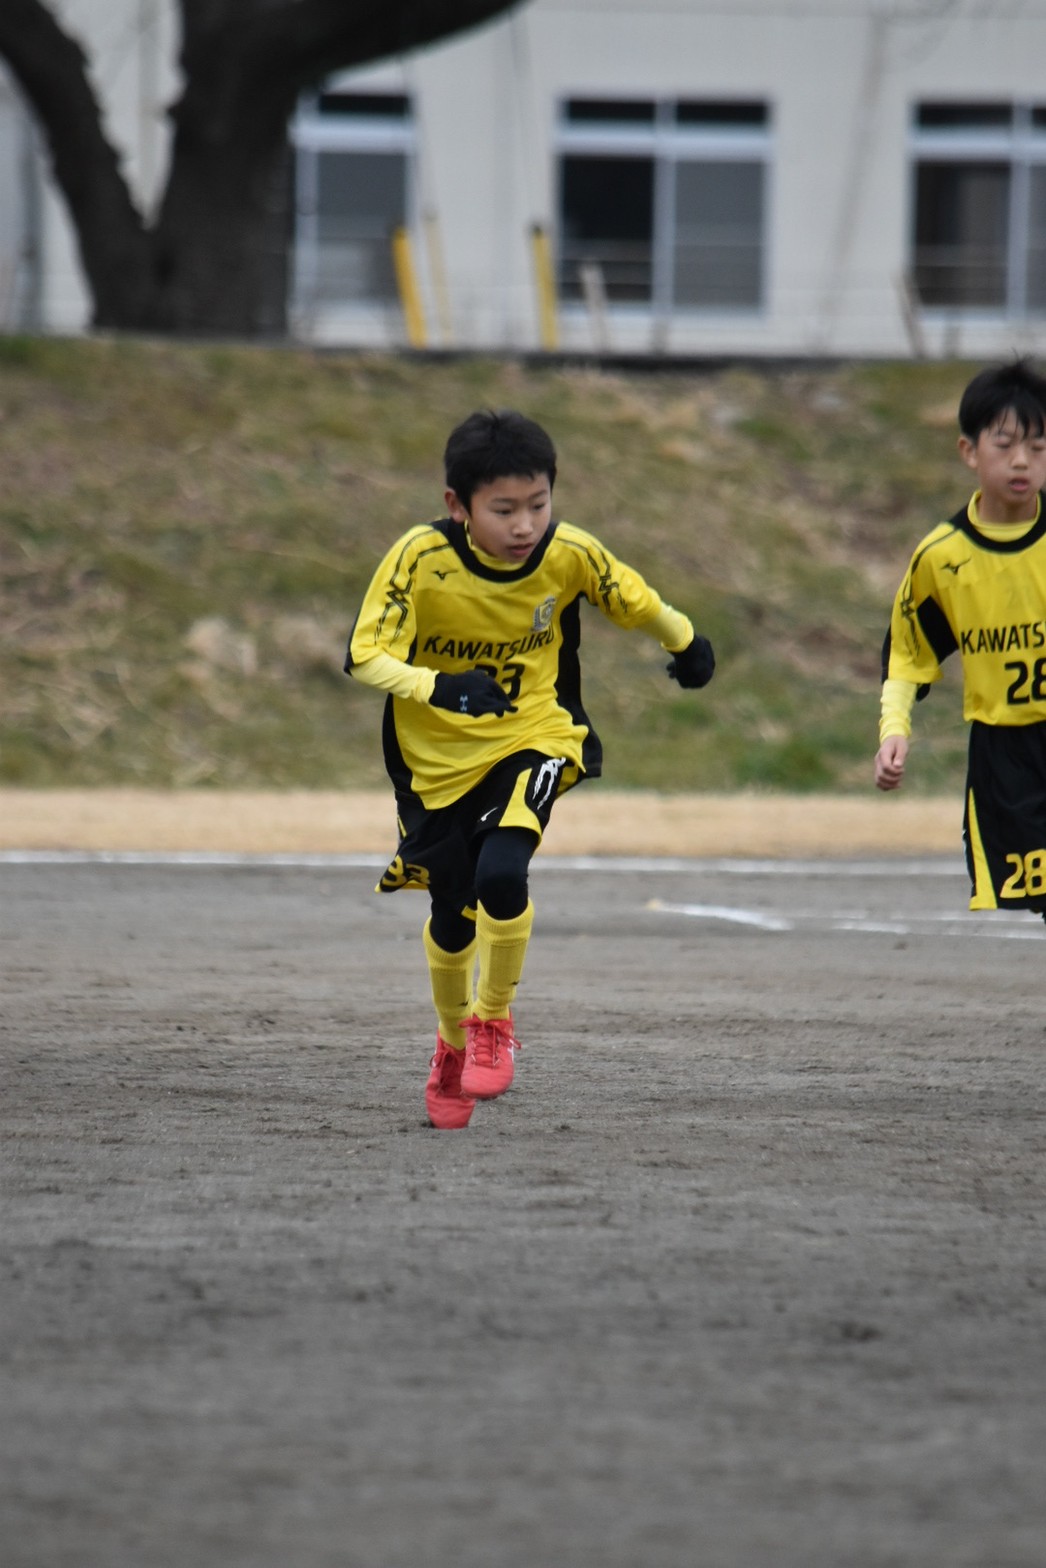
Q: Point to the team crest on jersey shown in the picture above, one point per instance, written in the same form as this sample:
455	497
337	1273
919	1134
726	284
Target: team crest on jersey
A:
543	615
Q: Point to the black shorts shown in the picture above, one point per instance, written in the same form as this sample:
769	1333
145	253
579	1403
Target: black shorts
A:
1004	828
437	850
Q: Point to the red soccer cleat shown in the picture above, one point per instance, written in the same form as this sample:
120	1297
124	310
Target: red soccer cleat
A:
490	1049
448	1108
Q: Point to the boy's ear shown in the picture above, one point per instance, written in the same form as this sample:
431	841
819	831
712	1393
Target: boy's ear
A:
456	508
968	452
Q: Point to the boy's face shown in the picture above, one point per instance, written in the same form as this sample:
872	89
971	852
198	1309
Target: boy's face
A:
1010	464
508	517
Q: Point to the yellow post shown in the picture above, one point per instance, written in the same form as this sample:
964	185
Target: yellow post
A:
407	283
546	284
438	274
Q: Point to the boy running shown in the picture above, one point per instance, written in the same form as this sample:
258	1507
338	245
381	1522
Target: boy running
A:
977	585
471	625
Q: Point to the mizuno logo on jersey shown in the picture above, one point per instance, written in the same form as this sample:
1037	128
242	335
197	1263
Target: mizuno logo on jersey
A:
1003	639
459	648
954	566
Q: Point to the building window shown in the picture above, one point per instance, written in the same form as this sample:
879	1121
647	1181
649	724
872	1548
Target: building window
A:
979	206
354	155
666	198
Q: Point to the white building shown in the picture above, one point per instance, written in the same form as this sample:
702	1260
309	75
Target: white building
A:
711	177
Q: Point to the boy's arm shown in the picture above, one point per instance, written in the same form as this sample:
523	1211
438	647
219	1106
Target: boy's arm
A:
911	661
693	663
473	693
393	675
895	728
629	601
672	629
895	708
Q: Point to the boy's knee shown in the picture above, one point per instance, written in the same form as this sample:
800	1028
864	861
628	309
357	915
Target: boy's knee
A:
502	873
503	891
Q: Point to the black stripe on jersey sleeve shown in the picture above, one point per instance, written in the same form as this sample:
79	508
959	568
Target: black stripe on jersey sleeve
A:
607	587
934	626
920	691
349	661
400	584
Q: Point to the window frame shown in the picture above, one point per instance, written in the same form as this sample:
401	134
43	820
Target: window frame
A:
316	131
1021	146
666	141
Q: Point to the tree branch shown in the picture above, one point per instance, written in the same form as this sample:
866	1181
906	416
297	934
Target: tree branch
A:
301	41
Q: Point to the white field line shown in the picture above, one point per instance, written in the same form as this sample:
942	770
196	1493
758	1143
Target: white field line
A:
1001	924
945	867
741	917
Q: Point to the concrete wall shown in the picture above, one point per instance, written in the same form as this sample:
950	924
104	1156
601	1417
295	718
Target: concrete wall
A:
21	261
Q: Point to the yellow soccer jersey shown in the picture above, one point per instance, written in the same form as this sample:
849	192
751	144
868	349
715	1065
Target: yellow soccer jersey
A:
986	599
434	602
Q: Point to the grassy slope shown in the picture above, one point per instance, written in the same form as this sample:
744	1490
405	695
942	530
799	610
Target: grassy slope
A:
185	533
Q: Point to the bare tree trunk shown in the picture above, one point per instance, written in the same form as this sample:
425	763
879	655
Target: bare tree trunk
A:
220	246
51	69
221	237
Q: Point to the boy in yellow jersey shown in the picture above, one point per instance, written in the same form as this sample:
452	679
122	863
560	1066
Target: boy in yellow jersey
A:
976	585
471	626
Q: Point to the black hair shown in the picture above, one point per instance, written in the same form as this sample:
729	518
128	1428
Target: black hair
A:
488	446
1015	388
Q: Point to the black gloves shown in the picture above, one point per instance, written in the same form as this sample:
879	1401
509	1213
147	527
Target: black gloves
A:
694	664
474	693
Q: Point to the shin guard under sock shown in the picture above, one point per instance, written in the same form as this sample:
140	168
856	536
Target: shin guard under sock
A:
502	949
450	975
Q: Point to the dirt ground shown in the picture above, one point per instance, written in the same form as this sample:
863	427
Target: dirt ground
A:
589	820
748	1268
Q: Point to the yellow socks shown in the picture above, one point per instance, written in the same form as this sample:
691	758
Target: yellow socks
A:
502	946
450	975
502	949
